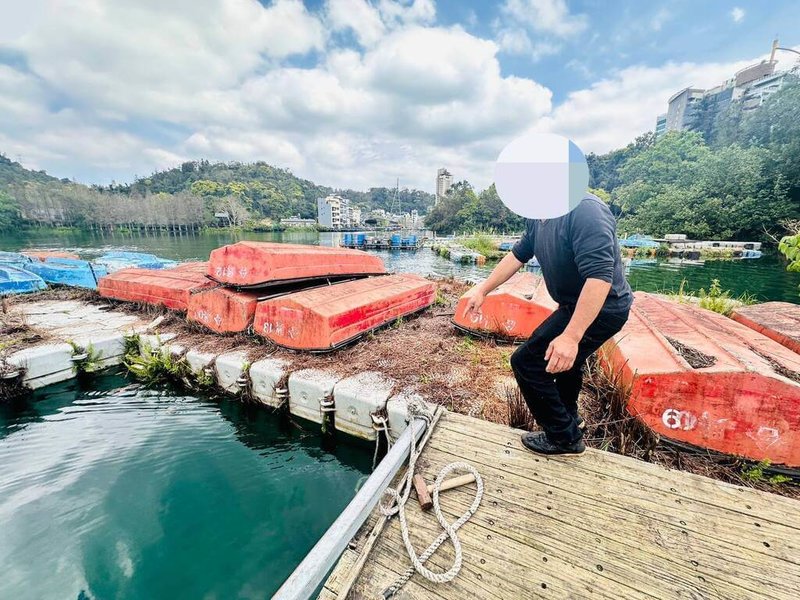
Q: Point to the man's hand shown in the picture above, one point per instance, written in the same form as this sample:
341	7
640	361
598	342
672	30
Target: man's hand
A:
475	301
561	353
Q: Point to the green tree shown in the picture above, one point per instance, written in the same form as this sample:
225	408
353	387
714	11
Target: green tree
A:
9	212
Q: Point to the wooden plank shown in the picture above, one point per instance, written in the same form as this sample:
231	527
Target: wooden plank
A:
774	541
628	549
600	526
609	466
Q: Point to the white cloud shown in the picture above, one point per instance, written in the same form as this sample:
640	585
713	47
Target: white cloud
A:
117	88
358	16
547	16
737	14
658	19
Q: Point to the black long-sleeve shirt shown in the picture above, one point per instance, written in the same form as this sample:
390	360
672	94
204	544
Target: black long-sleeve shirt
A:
580	245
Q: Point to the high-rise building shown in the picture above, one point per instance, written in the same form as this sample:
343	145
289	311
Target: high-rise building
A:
681	108
335	212
661	125
444	179
747	90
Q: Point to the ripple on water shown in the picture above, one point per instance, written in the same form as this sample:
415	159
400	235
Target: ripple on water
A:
129	493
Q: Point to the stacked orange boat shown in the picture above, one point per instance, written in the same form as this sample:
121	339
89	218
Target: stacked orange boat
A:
301	297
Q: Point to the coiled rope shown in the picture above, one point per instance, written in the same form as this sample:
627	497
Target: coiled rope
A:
398	507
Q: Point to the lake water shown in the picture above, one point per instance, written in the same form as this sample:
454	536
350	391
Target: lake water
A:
766	277
125	493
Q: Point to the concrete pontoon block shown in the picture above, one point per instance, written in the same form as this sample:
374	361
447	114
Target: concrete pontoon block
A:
40	361
50	379
154	341
230	366
397	409
265	377
307	388
357	398
198	361
109	347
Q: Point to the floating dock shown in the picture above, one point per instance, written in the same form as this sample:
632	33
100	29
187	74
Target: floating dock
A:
362	241
596	526
510	312
700	378
779	321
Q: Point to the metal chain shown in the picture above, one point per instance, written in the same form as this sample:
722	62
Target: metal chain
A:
398	506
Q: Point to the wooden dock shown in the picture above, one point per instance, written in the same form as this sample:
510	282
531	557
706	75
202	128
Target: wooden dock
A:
597	526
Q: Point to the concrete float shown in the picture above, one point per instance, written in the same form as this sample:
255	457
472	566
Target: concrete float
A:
311	393
267	381
231	369
358	398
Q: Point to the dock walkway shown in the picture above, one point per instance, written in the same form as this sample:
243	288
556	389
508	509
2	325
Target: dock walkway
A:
598	526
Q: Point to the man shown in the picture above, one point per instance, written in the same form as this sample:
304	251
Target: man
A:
580	260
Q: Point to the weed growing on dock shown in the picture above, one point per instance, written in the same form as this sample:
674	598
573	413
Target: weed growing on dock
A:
756	474
85	360
155	366
715	299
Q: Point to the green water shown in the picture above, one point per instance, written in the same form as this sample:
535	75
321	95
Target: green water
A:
766	278
119	492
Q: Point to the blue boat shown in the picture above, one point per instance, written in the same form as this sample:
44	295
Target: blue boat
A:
18	281
114	261
638	241
69	272
14	259
751	253
506	246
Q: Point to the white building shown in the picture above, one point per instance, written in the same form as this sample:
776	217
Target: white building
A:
335	212
444	179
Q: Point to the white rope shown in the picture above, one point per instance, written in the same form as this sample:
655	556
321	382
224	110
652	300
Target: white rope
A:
398	507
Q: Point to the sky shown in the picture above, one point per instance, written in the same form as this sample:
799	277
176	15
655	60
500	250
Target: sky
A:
354	93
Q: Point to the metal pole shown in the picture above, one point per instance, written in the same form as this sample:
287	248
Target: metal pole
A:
310	573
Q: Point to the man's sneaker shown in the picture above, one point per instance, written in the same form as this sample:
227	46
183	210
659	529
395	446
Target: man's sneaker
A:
538	442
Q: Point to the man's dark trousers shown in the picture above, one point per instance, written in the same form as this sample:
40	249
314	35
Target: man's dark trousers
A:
553	398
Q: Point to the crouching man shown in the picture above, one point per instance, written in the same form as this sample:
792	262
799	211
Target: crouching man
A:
580	260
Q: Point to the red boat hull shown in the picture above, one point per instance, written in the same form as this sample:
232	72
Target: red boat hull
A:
43	255
747	403
223	310
327	317
165	287
257	264
777	320
512	311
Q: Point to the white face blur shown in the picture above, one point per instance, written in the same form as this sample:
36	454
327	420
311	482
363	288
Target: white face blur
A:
541	176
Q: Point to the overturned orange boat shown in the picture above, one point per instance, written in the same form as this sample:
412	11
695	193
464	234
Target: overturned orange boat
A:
161	287
699	378
261	264
325	318
43	255
223	310
777	320
512	311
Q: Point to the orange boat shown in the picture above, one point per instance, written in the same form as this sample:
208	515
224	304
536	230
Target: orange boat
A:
195	267
223	310
512	311
777	320
261	264
167	287
700	378
325	318
43	255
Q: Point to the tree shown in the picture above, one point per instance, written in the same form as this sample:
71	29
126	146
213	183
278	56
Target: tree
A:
9	212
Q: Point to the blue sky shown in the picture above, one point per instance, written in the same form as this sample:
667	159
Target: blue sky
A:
353	92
